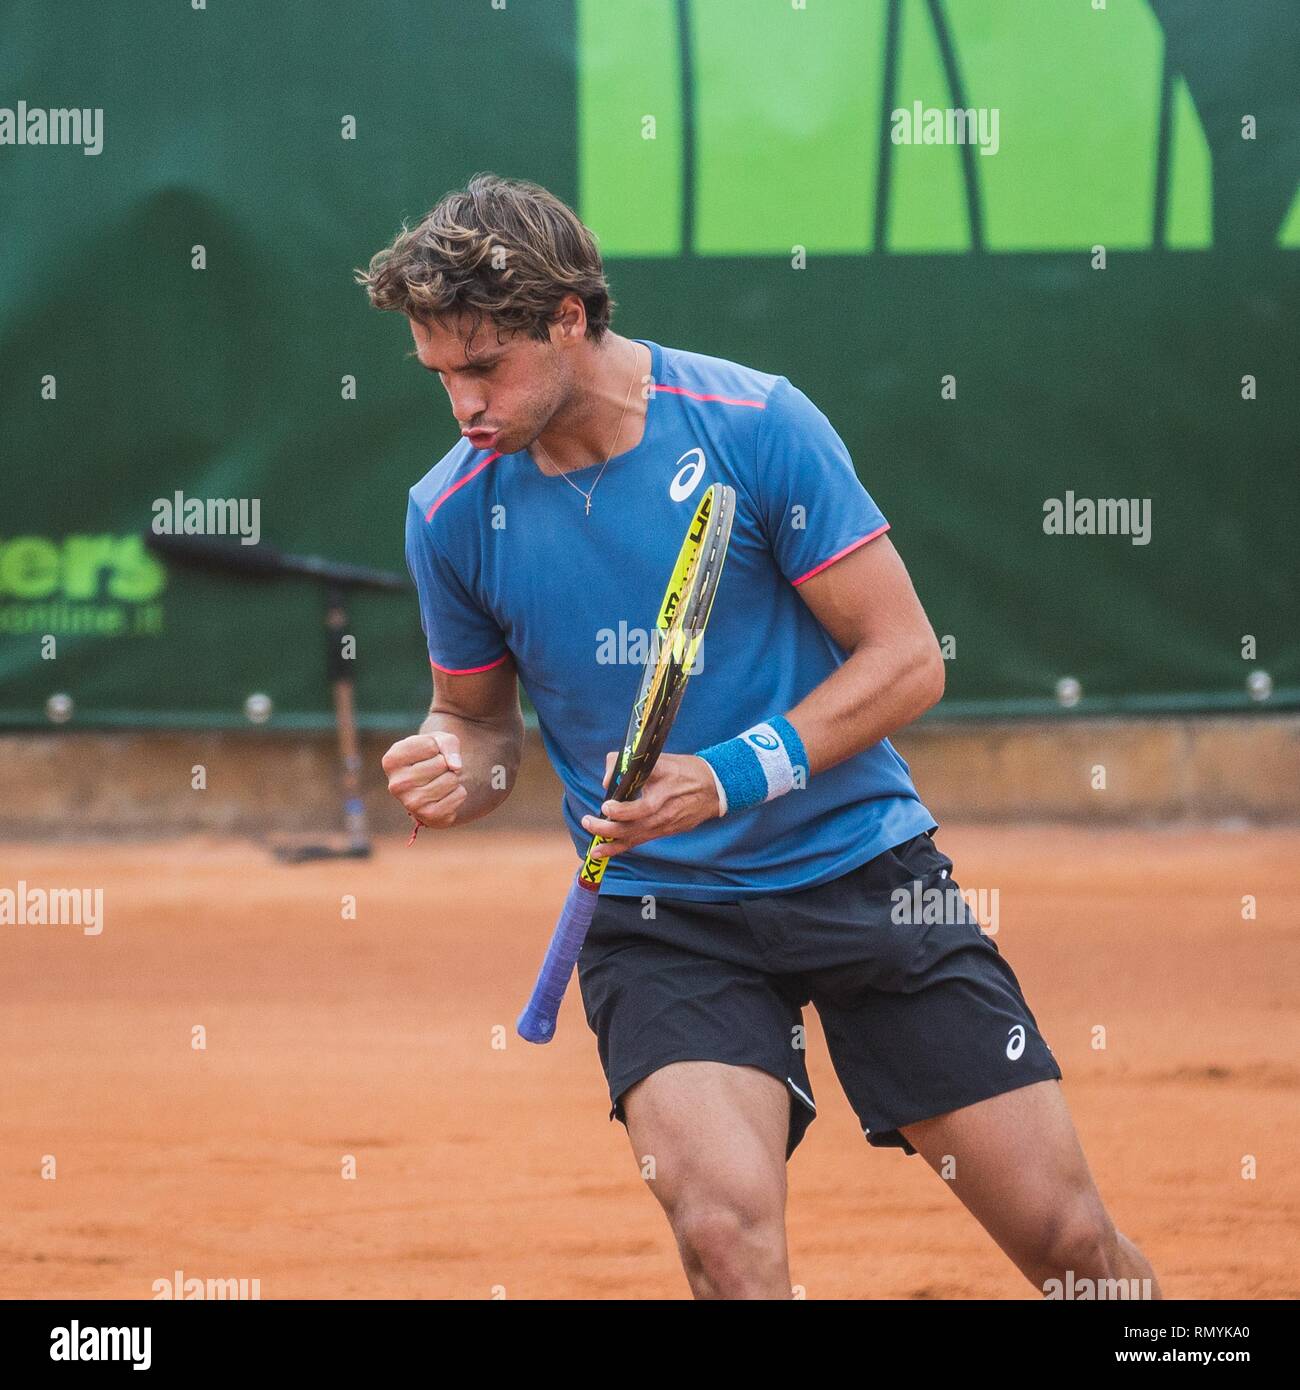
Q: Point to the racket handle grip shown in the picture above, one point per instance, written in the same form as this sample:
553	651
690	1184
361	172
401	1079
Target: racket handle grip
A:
537	1022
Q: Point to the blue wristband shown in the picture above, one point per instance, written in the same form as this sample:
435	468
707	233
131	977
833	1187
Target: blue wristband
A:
762	763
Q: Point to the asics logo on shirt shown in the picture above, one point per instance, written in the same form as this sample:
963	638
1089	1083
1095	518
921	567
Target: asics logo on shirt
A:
689	472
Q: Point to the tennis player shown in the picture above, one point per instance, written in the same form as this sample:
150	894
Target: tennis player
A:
779	851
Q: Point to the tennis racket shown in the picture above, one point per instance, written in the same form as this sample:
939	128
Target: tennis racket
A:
679	629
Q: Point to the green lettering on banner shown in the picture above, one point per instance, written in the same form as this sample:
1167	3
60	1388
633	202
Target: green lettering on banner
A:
630	91
927	210
29	568
1079	96
80	569
83	559
1190	225
1290	233
787	110
780	133
137	575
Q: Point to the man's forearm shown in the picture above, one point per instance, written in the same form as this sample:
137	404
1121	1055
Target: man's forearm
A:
877	691
490	754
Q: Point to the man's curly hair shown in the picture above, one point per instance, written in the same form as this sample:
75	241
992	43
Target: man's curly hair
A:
500	249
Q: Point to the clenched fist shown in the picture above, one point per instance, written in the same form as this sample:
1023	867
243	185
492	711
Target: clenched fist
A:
424	774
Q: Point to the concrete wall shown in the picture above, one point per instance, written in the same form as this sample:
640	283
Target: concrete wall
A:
1202	770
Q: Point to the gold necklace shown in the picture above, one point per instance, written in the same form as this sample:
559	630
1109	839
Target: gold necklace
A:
612	447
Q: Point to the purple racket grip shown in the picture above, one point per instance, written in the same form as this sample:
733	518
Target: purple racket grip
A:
537	1022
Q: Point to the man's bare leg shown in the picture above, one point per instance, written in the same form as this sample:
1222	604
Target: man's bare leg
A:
717	1136
1016	1163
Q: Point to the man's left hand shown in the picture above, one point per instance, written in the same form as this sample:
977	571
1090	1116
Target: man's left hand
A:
679	795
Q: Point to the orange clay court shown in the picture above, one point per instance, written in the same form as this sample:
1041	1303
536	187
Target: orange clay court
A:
485	1170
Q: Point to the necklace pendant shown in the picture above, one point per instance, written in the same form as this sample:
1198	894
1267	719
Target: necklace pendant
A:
588	506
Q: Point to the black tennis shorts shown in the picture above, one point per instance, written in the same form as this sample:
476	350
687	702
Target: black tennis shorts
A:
922	1015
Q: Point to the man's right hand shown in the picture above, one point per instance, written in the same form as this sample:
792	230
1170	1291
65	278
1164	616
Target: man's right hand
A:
424	774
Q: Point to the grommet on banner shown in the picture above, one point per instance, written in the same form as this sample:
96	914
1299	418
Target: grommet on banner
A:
59	708
258	708
1068	692
1259	685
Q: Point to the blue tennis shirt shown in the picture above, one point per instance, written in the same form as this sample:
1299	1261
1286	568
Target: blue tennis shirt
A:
507	562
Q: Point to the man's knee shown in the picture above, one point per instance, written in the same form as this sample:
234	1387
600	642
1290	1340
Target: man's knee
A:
1078	1236
732	1238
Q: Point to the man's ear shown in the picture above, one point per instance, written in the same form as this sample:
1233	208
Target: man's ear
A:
570	319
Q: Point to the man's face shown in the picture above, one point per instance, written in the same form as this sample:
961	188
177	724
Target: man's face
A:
502	393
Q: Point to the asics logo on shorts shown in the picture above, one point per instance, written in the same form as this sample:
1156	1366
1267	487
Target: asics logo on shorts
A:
688	475
1016	1045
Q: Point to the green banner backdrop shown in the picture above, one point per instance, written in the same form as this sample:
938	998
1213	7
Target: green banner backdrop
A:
1035	259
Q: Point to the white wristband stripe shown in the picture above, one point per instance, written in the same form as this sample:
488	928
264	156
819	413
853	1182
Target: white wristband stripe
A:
772	757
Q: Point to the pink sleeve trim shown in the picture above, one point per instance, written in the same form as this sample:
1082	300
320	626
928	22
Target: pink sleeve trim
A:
839	555
703	396
438	501
468	670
